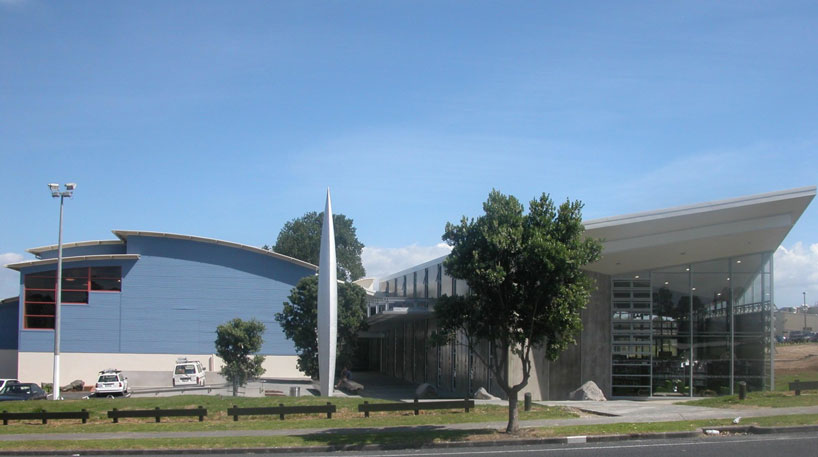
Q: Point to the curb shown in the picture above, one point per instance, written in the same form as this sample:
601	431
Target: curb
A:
751	429
756	430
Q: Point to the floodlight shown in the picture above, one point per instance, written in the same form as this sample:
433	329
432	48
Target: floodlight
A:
71	186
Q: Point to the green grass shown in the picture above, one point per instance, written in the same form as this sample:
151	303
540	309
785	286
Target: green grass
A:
782	381
418	438
676	426
217	419
759	399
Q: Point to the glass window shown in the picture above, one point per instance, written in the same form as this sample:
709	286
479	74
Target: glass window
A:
631	336
709	328
40	291
425	283
712	321
106	284
43	322
446	284
40	282
39	296
69	296
106	272
75	283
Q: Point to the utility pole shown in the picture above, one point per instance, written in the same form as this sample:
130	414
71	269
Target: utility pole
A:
805	308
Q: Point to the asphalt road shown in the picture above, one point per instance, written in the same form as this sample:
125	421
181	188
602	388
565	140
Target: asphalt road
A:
801	445
797	444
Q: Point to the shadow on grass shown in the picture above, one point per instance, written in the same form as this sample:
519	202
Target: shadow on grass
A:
403	437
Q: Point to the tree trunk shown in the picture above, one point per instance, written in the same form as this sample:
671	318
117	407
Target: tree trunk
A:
513	415
235	387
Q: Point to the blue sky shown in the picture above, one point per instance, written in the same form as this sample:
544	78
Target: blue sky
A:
226	119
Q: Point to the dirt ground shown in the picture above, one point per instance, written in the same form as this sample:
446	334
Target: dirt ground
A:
796	357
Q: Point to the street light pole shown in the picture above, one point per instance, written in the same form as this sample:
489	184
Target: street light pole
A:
805	308
55	192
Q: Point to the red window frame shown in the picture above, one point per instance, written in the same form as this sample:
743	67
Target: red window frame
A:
73	274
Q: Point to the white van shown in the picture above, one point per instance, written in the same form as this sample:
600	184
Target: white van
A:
188	372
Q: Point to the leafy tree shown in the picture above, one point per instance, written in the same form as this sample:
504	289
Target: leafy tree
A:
301	238
236	341
299	320
526	284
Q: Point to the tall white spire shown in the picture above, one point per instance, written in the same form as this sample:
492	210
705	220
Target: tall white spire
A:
327	303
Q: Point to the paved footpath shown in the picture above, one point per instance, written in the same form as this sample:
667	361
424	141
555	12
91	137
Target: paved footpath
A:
599	413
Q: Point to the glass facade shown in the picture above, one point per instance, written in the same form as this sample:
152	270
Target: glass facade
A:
695	329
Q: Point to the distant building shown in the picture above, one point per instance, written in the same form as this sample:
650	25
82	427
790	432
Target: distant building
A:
788	320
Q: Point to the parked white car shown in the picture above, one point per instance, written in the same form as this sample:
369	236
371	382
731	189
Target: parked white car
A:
188	372
5	382
111	382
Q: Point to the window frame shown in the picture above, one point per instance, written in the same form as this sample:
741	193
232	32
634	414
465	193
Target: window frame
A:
74	273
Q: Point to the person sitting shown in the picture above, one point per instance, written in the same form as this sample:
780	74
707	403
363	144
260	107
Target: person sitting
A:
346	375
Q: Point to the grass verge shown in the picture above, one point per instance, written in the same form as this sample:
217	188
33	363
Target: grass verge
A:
217	419
759	399
415	439
783	380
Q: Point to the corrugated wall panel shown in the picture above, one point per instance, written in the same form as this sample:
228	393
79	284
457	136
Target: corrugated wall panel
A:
9	321
174	297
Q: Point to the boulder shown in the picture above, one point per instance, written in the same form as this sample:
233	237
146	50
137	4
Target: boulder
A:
426	390
75	386
351	386
482	394
589	391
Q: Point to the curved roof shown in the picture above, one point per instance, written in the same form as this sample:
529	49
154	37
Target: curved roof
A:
79	244
80	258
124	234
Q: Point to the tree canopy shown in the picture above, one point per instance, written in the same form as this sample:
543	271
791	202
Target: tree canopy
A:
236	341
526	283
299	321
301	238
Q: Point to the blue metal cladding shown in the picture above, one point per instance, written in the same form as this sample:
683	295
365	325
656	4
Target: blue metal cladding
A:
174	297
180	291
97	249
9	317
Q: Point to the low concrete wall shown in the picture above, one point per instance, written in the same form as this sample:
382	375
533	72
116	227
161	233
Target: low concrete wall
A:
38	366
8	363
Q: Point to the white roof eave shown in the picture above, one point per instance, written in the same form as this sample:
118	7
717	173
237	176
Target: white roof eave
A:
82	258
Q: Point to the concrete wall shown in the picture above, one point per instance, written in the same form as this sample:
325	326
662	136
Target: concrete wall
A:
595	352
8	363
588	360
37	366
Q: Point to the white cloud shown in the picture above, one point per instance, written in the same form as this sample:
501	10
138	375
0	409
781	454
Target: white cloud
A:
380	262
9	279
796	271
